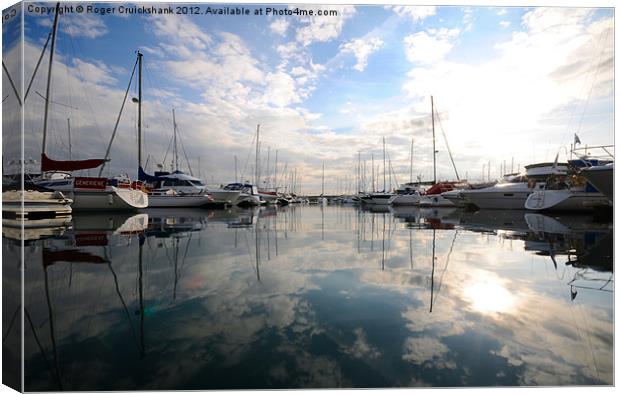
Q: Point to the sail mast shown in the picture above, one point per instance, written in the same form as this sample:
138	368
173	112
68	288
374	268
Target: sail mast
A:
256	165
384	164
139	109
176	153
434	150
411	163
49	78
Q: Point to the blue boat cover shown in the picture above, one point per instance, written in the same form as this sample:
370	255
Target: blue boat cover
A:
143	176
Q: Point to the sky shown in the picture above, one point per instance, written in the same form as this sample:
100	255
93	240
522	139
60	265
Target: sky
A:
511	86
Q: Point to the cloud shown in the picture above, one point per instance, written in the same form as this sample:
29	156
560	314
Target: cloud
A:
322	29
501	11
279	26
504	23
362	49
74	24
415	13
180	30
430	46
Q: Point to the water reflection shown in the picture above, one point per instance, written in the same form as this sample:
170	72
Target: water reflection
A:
319	296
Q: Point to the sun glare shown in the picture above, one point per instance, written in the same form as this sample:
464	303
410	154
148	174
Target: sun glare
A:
489	297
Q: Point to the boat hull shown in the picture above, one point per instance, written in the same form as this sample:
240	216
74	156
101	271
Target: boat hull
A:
565	200
436	201
111	198
225	196
602	177
497	199
405	199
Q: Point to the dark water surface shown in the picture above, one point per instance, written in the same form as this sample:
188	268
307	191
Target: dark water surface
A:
311	296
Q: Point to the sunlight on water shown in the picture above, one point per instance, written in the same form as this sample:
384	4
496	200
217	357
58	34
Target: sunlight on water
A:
489	297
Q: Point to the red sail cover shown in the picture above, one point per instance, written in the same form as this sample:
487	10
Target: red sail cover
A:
48	164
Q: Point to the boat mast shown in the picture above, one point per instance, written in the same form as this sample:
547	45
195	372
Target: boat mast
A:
323	181
372	160
411	163
384	164
49	77
176	152
139	109
236	169
434	150
275	173
256	165
69	131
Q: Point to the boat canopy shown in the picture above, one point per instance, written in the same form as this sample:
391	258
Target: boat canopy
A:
48	164
143	176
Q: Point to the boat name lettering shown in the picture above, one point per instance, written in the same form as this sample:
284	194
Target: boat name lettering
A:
90	183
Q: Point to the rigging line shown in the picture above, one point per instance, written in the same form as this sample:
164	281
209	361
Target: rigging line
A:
585	82
107	152
598	68
185	153
86	99
36	68
163	163
54	102
447	146
6	71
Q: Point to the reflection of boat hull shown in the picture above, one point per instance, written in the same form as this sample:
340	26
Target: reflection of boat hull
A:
565	200
602	177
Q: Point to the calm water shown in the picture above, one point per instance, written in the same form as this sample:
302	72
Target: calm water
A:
306	296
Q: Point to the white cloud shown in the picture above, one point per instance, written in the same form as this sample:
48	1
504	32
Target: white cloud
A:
279	26
504	23
77	25
362	49
322	29
501	12
426	48
415	13
180	30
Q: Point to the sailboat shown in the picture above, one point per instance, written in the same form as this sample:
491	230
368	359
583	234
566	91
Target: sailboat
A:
408	193
383	197
432	196
87	193
173	189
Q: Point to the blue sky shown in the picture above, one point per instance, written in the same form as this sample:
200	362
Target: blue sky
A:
509	82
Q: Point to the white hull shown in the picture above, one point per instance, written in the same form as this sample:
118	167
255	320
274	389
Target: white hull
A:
248	199
111	198
498	199
268	198
436	201
178	200
565	200
405	199
225	196
381	198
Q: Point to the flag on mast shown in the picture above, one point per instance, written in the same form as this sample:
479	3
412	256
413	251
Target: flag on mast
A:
577	140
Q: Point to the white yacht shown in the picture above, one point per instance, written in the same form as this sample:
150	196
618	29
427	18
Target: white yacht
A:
248	194
175	189
406	194
513	191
